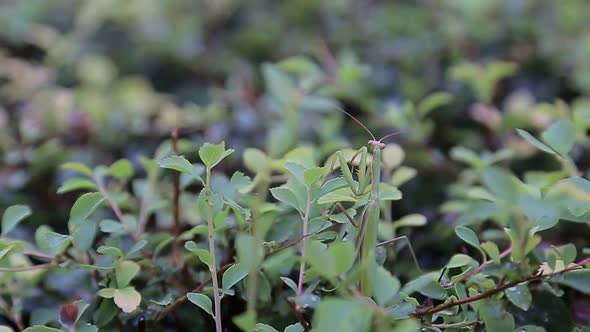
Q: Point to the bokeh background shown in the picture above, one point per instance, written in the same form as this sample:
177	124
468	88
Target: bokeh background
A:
95	81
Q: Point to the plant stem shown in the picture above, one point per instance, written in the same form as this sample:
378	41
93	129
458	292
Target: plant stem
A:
369	241
200	287
304	243
176	256
115	208
12	316
28	268
183	298
39	254
213	267
252	294
498	289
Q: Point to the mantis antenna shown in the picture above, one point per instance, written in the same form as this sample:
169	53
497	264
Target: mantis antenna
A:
373	141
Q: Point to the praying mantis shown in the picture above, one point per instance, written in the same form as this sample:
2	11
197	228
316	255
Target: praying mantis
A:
368	178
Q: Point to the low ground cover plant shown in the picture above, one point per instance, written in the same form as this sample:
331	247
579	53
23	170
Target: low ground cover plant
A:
298	243
261	165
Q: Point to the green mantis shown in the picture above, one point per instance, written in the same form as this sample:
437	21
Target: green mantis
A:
368	178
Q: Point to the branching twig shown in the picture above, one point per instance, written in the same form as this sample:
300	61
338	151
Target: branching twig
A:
486	263
287	245
498	289
183	298
28	268
403	237
31	252
479	268
12	316
176	257
304	323
213	265
305	230
115	209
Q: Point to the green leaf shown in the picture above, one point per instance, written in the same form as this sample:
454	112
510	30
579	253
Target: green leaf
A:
84	236
385	286
467	156
294	328
296	169
534	328
212	154
136	248
572	193
41	238
78	167
264	328
240	182
577	279
202	301
107	293
411	220
180	164
42	316
164	301
56	243
246	321
406	325
342	315
402	175
233	275
433	102
561	136
520	296
41	328
540	213
535	142
85	327
121	169
286	195
111	226
279	84
84	206
125	271
12	216
339	195
495	319
331	185
343	255
128	299
492	250
341	218
459	260
312	175
502	184
9	248
203	254
290	283
76	184
388	192
321	259
255	160
467	235
427	285
249	252
567	253
519	251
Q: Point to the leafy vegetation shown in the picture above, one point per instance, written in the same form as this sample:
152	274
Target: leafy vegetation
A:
179	165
